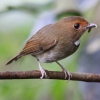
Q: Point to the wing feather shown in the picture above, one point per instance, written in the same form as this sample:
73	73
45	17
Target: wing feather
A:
34	47
40	42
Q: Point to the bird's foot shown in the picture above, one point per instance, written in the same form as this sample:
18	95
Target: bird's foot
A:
67	74
44	74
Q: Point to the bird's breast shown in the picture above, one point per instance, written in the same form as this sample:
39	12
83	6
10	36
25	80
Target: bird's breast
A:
57	53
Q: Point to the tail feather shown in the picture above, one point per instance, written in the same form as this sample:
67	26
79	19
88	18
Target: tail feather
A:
13	59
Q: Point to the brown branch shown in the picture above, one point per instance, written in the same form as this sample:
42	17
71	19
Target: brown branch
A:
86	77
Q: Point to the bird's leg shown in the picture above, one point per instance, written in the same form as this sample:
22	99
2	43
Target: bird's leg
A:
67	73
42	71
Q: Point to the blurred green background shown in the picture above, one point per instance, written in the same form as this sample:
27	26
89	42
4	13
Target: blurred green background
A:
19	19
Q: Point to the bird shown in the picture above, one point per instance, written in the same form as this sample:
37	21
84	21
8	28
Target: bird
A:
55	42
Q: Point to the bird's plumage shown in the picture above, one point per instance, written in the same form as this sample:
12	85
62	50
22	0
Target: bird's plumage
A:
55	41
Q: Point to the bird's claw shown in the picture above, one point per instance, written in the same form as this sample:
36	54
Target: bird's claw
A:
67	74
44	74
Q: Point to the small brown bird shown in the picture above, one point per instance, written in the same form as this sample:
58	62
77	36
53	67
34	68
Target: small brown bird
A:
56	41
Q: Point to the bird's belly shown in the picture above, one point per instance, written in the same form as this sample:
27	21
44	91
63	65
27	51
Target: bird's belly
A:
54	55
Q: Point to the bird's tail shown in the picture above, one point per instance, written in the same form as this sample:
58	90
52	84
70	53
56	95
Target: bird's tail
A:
13	59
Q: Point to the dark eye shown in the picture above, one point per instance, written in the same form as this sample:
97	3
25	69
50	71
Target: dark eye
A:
76	26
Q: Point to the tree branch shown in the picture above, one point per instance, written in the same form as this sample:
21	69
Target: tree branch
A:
35	74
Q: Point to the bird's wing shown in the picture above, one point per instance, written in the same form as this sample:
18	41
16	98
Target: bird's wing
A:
34	47
38	44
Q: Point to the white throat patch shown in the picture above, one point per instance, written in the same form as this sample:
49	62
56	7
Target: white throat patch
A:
77	42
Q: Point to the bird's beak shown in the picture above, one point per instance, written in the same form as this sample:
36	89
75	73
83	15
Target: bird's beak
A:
90	26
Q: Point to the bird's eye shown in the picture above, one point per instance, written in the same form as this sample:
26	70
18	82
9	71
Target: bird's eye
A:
76	26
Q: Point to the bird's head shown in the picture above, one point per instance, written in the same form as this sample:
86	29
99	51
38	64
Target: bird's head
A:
77	25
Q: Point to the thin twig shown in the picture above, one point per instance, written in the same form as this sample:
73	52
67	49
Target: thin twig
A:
35	74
